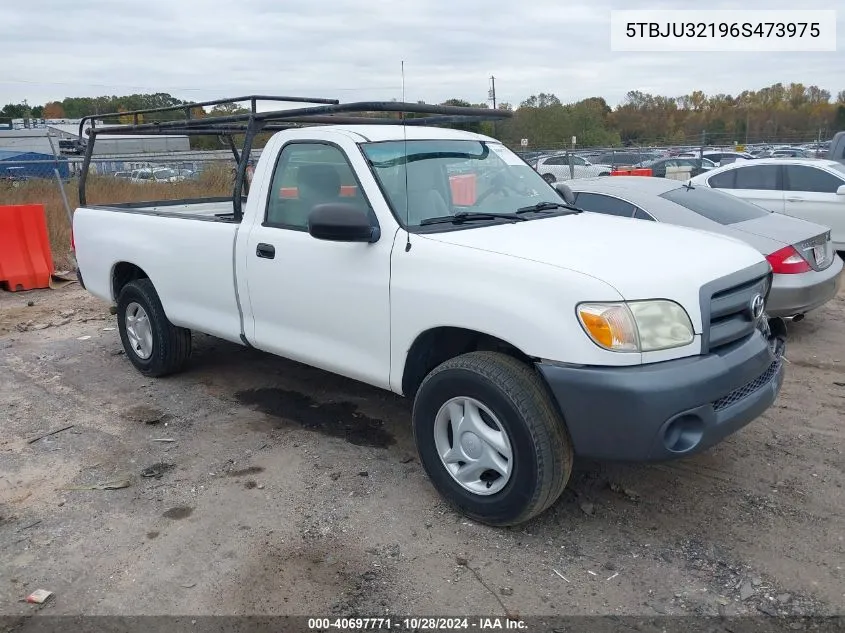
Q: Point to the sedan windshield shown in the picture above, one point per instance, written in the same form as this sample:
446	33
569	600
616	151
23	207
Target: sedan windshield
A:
439	178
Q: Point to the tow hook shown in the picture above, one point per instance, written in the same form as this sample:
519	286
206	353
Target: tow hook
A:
776	334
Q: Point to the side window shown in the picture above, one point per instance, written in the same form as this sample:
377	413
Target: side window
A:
642	215
803	178
308	174
725	180
607	205
757	177
555	161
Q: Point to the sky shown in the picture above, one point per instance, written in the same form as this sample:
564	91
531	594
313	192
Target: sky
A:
353	50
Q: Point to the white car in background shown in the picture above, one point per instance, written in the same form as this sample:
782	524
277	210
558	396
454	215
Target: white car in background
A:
156	174
810	189
565	166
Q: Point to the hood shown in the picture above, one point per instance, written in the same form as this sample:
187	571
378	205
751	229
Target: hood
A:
641	260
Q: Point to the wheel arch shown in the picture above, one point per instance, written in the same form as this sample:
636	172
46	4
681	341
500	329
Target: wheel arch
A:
439	344
122	274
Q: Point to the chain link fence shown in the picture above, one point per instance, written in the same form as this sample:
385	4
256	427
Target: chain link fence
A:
42	169
35	170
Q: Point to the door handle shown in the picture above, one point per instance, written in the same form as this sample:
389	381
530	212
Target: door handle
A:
265	251
795	199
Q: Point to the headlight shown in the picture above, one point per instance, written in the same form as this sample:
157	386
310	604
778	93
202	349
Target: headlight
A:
636	326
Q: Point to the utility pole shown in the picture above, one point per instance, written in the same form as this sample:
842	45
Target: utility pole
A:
491	96
746	127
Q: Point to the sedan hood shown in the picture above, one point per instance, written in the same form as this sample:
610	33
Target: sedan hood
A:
641	260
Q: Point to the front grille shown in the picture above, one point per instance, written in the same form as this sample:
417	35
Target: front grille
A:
730	312
746	390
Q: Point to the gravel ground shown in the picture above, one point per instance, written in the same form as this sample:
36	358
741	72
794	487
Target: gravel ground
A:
286	490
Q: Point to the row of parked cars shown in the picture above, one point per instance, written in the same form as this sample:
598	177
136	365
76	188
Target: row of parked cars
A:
155	174
791	209
566	165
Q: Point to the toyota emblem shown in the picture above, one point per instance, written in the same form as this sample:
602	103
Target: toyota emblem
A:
758	305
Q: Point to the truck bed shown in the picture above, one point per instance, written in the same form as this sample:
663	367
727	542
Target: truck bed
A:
189	261
207	209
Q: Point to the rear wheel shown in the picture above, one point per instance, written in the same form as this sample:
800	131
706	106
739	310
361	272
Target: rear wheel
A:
152	343
490	438
549	178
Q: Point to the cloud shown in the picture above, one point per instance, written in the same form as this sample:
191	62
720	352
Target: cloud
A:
205	49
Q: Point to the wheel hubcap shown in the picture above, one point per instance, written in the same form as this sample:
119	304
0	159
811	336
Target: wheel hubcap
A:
139	331
473	446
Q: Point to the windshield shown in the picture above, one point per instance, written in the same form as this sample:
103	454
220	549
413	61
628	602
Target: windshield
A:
445	177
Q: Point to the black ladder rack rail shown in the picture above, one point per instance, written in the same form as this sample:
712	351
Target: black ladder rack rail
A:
251	123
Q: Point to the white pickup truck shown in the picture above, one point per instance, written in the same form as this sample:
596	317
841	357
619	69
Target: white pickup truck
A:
438	265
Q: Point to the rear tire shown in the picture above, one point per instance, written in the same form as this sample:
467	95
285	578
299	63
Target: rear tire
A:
549	178
507	401
152	343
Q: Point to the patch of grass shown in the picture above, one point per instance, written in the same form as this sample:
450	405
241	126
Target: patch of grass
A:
214	181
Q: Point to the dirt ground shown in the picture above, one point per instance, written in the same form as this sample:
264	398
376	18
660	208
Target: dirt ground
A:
286	490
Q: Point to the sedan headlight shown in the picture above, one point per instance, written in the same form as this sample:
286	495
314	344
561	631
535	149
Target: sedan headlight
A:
636	326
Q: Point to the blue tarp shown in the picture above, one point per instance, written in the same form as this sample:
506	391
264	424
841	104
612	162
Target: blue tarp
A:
31	165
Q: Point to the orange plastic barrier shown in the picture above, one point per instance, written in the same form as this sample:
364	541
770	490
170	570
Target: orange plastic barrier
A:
631	172
463	189
291	193
26	261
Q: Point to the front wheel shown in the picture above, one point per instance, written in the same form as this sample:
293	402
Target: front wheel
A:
549	178
490	438
152	343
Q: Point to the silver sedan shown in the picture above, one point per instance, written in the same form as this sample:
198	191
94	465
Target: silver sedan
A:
806	268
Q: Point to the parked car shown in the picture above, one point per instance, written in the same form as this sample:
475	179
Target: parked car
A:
810	189
658	167
156	174
624	159
525	331
836	148
723	158
566	165
792	152
805	266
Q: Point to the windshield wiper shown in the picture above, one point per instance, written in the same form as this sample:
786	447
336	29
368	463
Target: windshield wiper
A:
469	216
549	206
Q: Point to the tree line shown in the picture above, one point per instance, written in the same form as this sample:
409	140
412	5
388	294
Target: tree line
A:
778	113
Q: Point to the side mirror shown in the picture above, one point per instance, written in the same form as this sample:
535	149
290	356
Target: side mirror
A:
341	222
841	190
565	192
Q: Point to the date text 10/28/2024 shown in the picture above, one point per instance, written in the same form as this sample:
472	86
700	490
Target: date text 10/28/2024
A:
416	624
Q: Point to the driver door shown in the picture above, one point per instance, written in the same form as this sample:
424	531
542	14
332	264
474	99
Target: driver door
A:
323	303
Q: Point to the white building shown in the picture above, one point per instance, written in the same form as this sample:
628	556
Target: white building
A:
37	139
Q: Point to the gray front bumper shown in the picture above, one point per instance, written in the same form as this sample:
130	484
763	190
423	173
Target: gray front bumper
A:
802	292
666	410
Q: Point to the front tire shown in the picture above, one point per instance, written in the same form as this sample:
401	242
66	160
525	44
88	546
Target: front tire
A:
152	343
490	438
